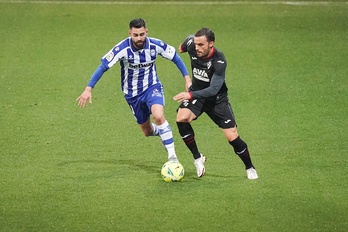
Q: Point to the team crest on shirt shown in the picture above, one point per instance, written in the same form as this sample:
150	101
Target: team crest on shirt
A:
209	64
109	56
153	52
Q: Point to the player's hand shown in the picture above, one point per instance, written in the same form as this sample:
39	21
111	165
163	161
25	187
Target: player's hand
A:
85	96
182	96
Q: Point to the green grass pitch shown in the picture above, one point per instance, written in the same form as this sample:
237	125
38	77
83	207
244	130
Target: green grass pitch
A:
69	169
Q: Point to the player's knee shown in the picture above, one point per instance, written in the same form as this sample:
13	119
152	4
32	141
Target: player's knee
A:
185	115
183	118
159	119
232	136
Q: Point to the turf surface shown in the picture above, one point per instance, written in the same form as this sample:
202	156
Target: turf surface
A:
69	169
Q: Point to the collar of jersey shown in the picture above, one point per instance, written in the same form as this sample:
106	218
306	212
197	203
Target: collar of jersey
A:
206	58
147	45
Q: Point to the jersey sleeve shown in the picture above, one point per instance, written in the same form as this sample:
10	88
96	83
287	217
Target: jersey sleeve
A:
189	41
97	75
215	85
220	67
165	50
115	54
180	64
168	53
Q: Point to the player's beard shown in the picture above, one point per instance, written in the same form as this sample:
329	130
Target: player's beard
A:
139	44
202	54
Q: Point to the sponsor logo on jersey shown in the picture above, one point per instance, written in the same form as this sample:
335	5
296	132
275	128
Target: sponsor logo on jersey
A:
143	65
194	58
189	42
220	61
200	74
109	56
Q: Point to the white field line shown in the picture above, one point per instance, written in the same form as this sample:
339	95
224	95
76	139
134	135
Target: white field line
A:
298	3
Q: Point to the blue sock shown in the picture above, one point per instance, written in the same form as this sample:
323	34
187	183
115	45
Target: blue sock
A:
155	130
166	135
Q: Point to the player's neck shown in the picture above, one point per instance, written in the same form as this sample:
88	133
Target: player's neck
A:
210	54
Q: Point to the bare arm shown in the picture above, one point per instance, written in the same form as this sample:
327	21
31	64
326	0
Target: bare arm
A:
188	82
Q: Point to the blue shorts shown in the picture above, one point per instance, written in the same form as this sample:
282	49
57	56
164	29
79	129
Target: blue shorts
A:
141	104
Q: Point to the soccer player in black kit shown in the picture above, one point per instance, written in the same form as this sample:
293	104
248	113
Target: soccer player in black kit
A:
208	93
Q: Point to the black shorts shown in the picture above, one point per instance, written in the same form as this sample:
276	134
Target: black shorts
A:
217	108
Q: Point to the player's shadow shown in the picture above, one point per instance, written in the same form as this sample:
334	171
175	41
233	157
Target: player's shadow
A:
141	165
138	165
150	167
192	176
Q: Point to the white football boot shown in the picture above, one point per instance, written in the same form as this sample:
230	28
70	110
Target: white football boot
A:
171	153
252	174
199	163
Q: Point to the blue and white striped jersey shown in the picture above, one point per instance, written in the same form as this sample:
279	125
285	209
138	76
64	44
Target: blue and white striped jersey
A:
138	68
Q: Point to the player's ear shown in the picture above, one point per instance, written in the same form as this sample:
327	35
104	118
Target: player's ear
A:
211	44
129	32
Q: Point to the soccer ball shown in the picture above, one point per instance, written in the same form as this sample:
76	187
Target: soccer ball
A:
172	171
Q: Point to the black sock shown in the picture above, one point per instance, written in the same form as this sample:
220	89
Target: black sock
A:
241	149
188	135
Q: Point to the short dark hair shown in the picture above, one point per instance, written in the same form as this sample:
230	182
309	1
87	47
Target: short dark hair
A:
137	23
209	34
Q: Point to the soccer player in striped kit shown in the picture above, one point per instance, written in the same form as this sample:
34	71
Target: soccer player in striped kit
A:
139	81
208	93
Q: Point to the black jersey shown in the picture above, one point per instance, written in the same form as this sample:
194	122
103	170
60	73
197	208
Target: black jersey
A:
208	74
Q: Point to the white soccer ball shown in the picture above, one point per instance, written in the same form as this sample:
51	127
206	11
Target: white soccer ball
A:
172	171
